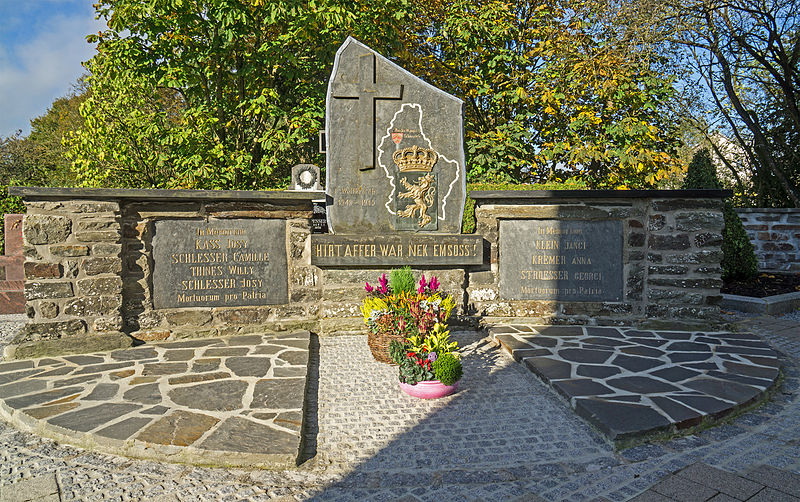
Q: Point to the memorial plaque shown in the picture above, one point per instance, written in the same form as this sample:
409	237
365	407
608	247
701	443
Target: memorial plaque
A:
395	148
219	263
319	223
564	260
398	249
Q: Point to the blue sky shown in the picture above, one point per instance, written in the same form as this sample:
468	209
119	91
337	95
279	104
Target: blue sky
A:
42	45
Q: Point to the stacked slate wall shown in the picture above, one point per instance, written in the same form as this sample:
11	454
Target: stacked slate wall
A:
670	263
775	234
89	268
73	286
146	323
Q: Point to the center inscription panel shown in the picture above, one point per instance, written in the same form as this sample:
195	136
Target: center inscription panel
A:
219	263
564	260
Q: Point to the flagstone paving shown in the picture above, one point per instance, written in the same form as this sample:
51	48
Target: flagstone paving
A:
503	436
630	383
230	401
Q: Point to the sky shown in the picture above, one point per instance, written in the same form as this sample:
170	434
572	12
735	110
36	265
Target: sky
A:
42	46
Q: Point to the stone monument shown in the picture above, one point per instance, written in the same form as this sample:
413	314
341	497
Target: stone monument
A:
395	149
396	180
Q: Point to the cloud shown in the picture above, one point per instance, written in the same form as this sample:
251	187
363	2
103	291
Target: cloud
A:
43	67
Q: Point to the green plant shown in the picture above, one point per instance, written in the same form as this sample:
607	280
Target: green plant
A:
413	366
401	280
738	256
701	173
447	368
436	341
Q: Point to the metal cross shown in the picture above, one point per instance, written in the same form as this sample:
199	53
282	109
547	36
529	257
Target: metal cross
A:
367	91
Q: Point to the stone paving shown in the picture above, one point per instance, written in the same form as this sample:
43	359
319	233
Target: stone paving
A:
631	383
703	482
503	436
229	401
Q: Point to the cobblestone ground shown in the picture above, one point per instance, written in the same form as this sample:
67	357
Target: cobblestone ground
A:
503	436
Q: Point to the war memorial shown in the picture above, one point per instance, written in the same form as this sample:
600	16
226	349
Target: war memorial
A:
198	327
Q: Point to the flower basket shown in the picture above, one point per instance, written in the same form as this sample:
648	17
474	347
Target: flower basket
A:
394	310
379	342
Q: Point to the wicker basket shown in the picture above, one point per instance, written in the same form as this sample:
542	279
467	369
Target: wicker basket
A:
379	344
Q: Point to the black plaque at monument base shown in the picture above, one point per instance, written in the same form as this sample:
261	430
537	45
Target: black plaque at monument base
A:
219	263
564	260
336	250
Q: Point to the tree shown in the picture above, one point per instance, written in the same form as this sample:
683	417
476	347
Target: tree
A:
40	158
214	93
747	54
551	90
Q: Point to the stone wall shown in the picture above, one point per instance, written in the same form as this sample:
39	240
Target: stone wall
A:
89	272
146	323
72	269
775	234
671	256
89	266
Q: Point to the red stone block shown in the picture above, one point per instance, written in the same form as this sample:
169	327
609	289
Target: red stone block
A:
34	270
13	234
13	267
12	302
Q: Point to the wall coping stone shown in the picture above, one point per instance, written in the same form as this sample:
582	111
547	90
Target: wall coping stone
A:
524	195
276	196
780	210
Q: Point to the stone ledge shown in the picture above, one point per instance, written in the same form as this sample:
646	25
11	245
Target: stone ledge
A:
523	195
77	344
771	305
275	196
758	210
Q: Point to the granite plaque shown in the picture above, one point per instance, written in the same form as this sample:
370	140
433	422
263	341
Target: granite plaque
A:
219	263
564	260
395	149
398	249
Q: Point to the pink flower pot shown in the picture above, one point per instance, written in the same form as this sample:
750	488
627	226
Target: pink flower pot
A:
428	389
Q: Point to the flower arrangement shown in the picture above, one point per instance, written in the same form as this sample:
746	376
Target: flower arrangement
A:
427	358
395	310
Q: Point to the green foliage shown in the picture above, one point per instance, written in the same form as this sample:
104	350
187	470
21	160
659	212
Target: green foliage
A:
229	94
738	256
447	368
468	223
215	94
701	173
401	280
739	259
438	340
39	159
411	368
563	88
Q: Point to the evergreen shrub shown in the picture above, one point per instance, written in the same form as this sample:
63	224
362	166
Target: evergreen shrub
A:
739	259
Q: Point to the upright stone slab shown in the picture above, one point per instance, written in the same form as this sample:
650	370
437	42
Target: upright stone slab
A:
395	150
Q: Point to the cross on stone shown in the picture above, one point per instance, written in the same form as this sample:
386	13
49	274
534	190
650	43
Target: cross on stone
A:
367	91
